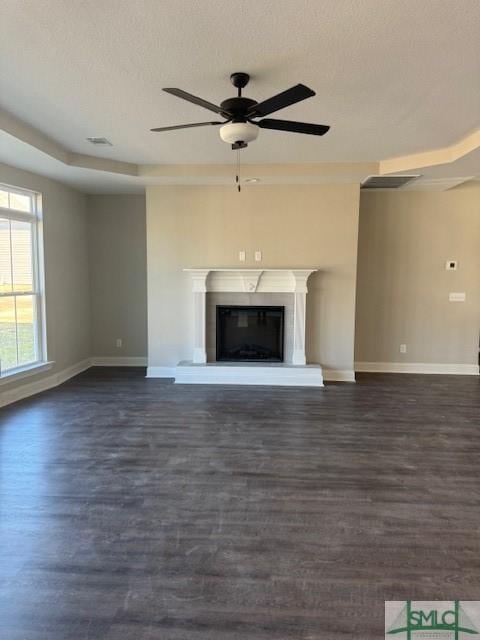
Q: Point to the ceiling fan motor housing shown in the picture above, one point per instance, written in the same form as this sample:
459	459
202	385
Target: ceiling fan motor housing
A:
237	107
233	132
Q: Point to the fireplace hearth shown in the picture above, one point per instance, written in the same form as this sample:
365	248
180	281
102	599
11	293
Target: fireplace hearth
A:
250	333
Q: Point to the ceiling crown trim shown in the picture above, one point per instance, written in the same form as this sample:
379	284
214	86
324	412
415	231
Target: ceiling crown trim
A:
434	157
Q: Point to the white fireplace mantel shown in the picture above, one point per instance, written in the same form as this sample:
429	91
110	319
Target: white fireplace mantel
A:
250	281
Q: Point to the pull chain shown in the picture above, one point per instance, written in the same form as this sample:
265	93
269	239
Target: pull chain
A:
237	177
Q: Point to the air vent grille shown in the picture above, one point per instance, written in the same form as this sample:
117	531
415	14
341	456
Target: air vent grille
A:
387	182
100	141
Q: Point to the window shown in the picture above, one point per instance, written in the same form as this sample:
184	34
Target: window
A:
22	331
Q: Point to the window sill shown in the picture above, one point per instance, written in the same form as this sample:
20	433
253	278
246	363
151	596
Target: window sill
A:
25	372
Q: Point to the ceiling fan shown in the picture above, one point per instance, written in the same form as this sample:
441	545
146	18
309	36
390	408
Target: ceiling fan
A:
241	125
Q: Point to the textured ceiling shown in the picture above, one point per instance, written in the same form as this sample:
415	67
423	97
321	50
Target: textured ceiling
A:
392	77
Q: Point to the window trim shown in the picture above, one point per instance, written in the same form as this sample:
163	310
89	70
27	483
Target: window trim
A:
35	217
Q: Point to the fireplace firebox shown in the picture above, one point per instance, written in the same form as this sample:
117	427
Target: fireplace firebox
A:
250	333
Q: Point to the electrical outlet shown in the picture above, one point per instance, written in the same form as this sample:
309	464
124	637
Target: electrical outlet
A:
258	256
451	265
403	348
241	256
118	343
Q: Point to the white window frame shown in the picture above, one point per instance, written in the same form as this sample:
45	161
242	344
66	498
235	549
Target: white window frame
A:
35	217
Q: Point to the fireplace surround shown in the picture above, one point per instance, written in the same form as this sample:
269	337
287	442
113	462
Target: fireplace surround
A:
257	286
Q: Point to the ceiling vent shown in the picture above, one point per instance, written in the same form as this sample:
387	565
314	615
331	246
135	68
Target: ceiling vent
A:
387	182
100	141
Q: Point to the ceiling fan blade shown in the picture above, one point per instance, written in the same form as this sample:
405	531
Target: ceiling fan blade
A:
184	126
294	127
190	98
295	94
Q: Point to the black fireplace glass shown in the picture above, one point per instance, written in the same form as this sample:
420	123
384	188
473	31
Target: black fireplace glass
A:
250	334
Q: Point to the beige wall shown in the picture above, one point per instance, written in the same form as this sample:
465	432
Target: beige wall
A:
294	226
118	274
66	270
405	238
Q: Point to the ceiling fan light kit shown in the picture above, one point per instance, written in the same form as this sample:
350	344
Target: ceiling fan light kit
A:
237	132
241	125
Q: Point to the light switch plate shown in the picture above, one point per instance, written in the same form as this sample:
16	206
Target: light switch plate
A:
241	256
258	256
458	296
451	265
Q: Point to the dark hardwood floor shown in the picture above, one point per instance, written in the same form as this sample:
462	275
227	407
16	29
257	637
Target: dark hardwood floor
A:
134	509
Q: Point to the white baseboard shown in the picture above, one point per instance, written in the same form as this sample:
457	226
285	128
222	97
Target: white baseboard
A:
418	367
37	386
114	361
160	372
